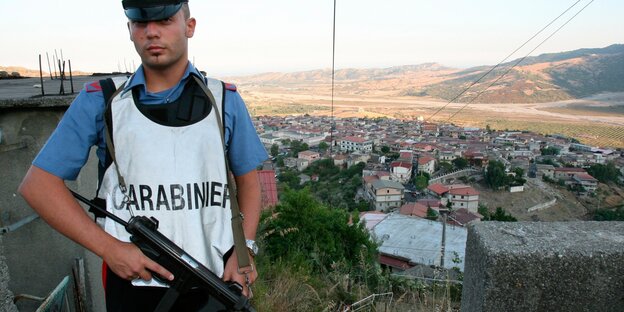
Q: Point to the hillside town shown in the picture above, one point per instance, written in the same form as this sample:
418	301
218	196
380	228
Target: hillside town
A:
407	217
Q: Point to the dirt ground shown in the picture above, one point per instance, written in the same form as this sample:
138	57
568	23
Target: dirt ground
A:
566	208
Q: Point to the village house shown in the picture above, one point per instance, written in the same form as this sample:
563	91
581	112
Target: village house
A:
340	159
459	195
385	195
414	209
426	164
464	197
587	183
401	170
463	217
309	155
351	144
567	173
356	158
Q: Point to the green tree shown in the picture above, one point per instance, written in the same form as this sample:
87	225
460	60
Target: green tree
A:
445	166
604	173
385	149
421	182
274	150
289	178
501	215
550	151
495	176
484	211
616	214
431	214
302	230
323	146
460	162
519	178
297	146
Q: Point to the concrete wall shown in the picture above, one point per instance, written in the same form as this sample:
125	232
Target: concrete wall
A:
37	256
540	266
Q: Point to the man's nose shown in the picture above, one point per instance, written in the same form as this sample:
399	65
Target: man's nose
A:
152	29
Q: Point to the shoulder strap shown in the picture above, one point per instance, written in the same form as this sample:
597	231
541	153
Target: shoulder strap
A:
109	91
240	247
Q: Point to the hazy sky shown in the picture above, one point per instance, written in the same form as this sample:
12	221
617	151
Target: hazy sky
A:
252	36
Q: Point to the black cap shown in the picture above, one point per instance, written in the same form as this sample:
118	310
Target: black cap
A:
151	10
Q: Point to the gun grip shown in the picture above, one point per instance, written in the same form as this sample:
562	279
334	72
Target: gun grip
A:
152	254
235	287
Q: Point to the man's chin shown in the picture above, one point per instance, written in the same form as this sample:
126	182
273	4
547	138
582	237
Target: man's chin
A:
156	63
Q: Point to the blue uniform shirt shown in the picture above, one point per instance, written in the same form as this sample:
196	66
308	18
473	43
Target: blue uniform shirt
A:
82	126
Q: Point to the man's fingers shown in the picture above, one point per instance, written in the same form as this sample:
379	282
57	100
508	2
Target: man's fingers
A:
159	270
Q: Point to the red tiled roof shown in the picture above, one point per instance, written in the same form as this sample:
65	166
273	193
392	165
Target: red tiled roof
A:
354	139
395	261
414	209
585	176
466	191
424	160
369	179
403	164
569	170
268	187
464	216
438	188
308	153
429	202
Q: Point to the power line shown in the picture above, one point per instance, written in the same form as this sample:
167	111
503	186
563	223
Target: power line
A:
520	60
331	122
503	60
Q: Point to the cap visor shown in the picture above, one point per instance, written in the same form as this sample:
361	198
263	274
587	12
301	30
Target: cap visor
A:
153	13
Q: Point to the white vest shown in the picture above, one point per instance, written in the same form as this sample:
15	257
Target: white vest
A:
175	174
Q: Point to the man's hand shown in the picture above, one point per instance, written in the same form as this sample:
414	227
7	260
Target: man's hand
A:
231	274
128	262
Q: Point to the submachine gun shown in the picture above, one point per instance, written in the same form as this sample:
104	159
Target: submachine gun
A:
188	272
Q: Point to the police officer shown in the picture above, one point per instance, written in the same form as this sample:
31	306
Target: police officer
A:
165	132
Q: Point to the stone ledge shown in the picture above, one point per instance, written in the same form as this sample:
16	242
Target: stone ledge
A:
540	266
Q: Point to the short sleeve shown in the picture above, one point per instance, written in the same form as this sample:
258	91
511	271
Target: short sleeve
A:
245	151
67	148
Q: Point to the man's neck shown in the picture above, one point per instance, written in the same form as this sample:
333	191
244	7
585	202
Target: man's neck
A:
157	80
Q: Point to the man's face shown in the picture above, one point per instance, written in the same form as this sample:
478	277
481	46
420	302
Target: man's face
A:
163	43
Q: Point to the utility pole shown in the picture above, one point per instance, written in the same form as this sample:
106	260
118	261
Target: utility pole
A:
444	212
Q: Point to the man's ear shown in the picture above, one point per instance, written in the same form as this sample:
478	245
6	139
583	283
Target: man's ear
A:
129	31
190	27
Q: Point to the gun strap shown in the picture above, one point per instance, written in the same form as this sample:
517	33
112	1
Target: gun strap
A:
240	246
110	146
167	301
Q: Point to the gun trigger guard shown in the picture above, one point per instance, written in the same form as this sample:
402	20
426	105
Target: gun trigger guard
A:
245	272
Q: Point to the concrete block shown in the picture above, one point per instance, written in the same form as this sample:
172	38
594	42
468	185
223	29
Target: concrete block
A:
6	296
542	266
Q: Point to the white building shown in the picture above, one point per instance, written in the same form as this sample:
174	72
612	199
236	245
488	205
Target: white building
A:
352	144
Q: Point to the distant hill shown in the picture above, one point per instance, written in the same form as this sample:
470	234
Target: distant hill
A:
349	74
544	78
25	72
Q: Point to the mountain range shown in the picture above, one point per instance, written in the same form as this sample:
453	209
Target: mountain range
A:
544	78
